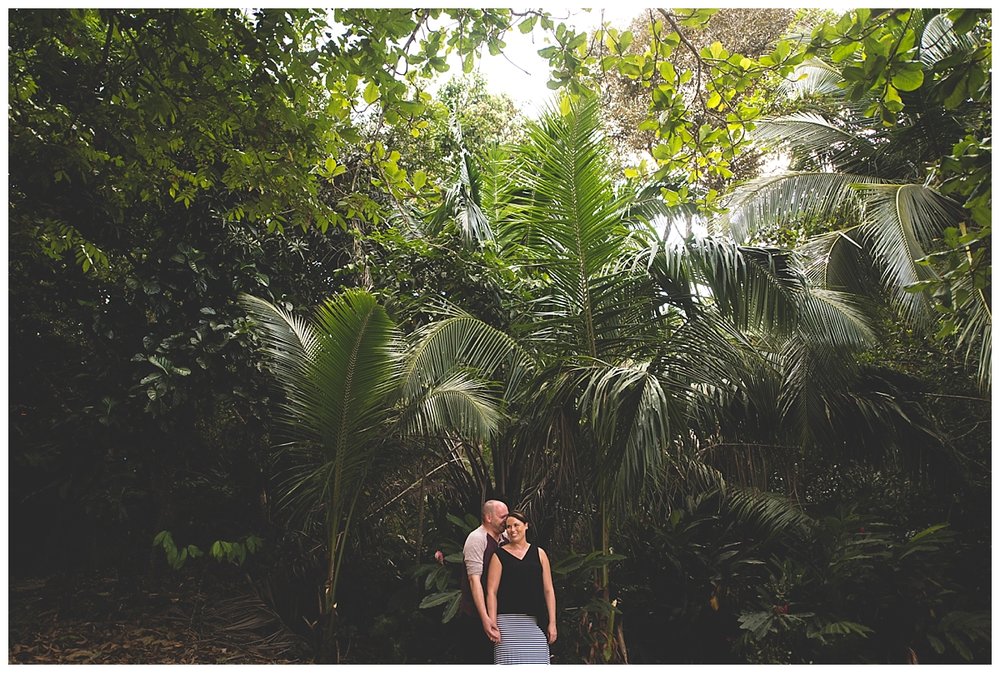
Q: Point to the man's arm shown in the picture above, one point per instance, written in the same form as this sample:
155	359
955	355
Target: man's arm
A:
489	626
475	546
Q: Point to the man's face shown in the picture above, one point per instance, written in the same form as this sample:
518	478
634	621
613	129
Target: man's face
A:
499	518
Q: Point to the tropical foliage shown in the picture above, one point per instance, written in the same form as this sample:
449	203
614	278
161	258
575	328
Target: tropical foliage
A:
274	304
867	169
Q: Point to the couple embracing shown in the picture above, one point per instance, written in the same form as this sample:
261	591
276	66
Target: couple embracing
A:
511	599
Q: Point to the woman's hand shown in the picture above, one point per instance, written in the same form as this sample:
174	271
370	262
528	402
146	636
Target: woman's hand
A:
551	633
492	631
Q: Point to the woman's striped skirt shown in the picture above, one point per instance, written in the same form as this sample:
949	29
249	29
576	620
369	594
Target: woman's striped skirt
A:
521	641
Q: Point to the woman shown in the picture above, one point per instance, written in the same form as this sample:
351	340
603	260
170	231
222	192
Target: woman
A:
520	599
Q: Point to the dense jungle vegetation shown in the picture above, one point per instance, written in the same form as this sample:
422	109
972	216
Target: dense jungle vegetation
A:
289	297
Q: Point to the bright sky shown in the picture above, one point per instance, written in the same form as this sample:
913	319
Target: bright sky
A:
520	72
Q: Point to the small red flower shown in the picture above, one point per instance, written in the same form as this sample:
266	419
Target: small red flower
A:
439	557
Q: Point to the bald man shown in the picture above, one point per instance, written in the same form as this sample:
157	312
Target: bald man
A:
480	546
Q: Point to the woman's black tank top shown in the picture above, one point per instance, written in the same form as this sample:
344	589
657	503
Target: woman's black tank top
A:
520	590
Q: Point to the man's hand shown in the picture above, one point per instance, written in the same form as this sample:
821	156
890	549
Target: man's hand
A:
492	631
552	634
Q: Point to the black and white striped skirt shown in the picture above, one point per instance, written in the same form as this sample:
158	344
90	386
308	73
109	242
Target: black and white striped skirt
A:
521	641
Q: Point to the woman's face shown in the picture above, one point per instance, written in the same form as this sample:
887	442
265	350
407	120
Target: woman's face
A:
516	529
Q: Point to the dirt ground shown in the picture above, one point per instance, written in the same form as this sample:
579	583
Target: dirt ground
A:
108	620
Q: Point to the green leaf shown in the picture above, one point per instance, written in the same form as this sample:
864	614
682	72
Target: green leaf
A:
892	99
439	598
667	71
452	608
908	79
565	105
927	532
370	93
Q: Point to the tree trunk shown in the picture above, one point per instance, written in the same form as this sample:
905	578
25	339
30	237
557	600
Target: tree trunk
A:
329	649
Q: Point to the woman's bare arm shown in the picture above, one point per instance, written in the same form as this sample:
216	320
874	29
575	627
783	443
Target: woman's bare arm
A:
492	584
550	595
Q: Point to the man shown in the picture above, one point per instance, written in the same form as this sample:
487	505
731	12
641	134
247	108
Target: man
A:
480	546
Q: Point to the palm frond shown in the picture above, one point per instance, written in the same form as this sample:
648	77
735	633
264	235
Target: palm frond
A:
939	41
832	258
337	373
629	410
461	205
459	404
644	204
771	513
899	221
808	372
291	342
835	318
813	77
569	218
355	369
774	200
973	327
807	134
462	340
495	169
755	287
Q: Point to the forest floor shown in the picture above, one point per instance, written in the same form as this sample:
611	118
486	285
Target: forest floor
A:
100	619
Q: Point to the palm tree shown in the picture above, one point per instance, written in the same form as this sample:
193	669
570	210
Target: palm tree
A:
637	343
869	187
354	387
629	356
